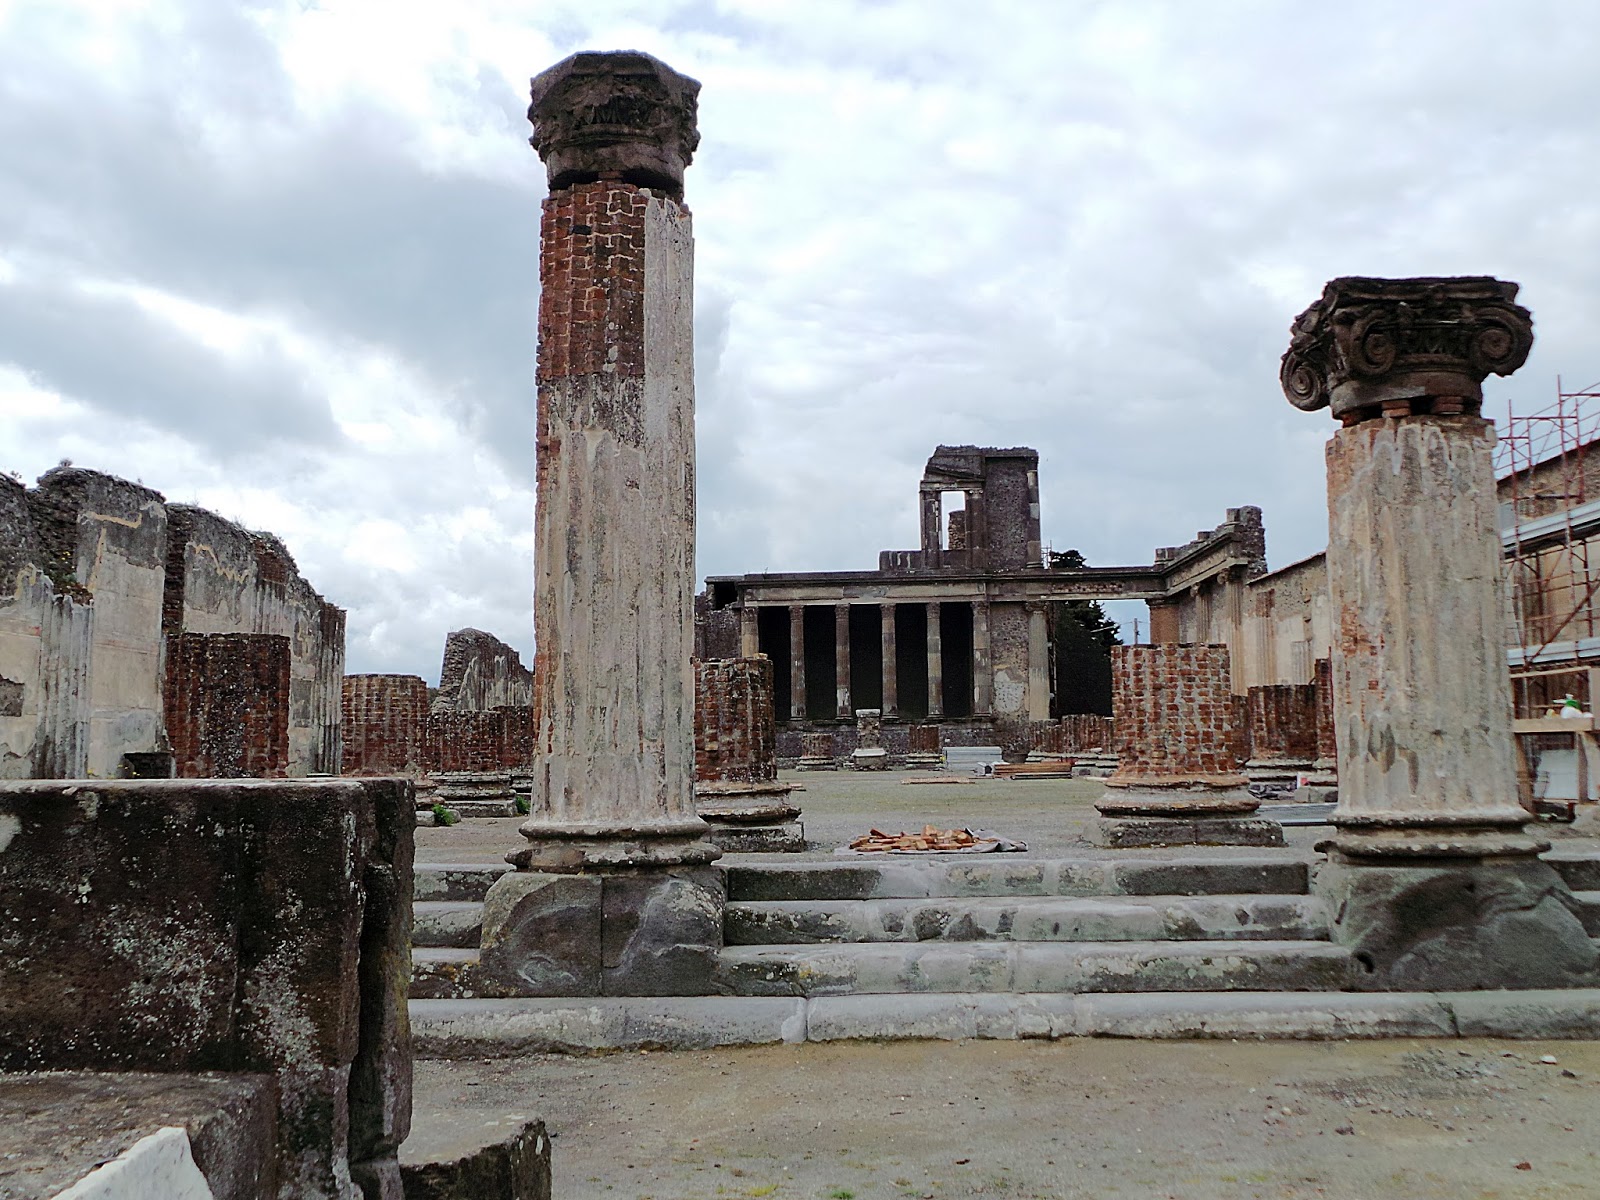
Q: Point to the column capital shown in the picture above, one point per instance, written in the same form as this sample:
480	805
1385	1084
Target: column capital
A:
622	114
1374	347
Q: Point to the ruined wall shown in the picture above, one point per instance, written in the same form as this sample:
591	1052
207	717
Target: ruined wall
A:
384	721
97	577
480	741
479	673
1174	711
222	578
106	538
46	634
735	737
228	697
1086	731
1327	746
221	925
1011	512
1286	625
1282	722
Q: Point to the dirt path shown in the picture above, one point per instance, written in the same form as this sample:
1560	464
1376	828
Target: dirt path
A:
1088	1118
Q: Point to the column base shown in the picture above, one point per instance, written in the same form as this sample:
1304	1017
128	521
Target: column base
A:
585	849
649	932
1214	811
870	758
1379	839
1457	924
750	818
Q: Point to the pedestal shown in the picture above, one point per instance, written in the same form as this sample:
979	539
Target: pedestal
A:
1191	812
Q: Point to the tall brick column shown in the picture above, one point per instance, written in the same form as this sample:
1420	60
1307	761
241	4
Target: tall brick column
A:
615	852
1177	781
1434	876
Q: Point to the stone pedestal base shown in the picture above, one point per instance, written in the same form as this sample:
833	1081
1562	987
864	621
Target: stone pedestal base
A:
750	818
1198	813
924	762
477	795
632	933
1458	924
1269	770
816	763
582	849
870	758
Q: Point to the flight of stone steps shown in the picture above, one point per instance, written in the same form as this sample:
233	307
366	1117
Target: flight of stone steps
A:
1196	921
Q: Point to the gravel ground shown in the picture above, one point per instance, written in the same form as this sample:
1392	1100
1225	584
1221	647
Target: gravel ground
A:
1467	1120
1050	815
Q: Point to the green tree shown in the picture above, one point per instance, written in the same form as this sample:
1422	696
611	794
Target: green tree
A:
1081	637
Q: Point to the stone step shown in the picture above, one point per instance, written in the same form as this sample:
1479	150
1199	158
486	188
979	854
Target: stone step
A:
439	973
446	923
899	967
1189	873
455	881
1589	911
1044	919
515	1028
1580	867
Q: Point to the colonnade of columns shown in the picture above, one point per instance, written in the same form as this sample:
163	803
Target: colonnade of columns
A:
979	698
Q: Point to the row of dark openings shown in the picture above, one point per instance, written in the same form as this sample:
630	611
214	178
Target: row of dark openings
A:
1080	667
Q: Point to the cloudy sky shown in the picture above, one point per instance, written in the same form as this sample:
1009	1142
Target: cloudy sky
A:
280	259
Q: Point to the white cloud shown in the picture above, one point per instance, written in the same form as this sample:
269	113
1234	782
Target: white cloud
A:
280	258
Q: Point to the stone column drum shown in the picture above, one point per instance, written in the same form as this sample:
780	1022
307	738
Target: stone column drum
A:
1177	782
1435	882
613	895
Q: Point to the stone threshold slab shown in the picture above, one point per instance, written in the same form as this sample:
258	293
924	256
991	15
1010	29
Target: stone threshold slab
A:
511	1028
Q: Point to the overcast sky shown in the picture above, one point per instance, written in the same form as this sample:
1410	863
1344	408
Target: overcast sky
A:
281	259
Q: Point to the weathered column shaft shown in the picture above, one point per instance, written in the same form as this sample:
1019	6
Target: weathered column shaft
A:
841	662
891	673
982	661
935	663
1038	664
797	662
931	532
1421	693
749	632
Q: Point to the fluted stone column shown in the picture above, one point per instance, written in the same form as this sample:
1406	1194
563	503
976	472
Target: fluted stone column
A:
1434	874
841	661
1038	663
891	668
935	663
615	852
797	662
982	661
749	632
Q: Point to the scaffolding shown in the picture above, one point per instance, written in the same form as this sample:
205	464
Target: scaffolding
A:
1548	465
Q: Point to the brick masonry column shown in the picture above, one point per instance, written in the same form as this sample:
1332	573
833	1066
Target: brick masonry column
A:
841	662
797	662
982	661
612	895
935	663
1178	780
1163	622
1038	662
891	669
1282	724
737	790
1434	876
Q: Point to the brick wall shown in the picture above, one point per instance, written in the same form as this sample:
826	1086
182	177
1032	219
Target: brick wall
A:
1078	732
479	741
735	739
1327	749
1283	722
227	703
1174	710
591	276
384	719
